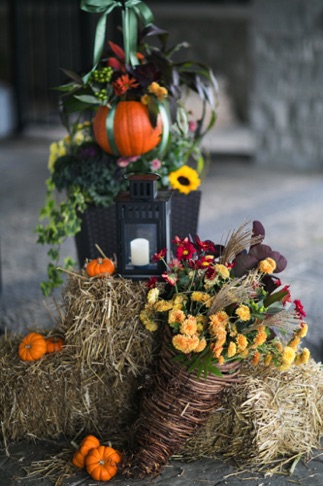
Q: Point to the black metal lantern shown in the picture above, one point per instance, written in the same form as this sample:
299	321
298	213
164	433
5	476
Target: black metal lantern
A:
143	226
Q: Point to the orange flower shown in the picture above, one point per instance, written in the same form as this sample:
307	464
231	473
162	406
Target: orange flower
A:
122	84
243	312
185	344
220	319
241	342
176	315
232	349
256	358
294	342
267	265
303	330
260	338
201	346
189	326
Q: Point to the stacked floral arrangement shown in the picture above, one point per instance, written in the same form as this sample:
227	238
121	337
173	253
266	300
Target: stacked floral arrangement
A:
127	113
220	305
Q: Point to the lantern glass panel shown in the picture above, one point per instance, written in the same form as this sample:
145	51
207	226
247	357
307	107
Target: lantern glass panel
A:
140	245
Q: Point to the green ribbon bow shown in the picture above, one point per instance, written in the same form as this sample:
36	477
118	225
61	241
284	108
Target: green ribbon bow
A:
131	10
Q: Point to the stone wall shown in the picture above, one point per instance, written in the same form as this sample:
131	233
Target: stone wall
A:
287	82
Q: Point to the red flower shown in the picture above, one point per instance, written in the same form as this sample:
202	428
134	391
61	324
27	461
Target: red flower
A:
205	261
299	309
122	84
151	283
206	246
185	251
287	297
159	256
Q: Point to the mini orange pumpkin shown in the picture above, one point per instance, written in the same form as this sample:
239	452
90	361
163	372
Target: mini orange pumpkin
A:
54	344
133	133
102	463
32	347
100	266
89	442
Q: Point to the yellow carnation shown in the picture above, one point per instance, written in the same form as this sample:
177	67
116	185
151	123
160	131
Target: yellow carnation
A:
163	305
232	349
294	342
149	324
303	330
267	266
222	270
303	357
152	296
288	355
201	297
179	300
243	312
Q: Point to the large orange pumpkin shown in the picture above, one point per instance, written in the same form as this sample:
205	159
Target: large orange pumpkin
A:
32	347
132	131
102	463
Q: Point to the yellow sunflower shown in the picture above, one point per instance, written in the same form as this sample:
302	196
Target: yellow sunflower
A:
184	179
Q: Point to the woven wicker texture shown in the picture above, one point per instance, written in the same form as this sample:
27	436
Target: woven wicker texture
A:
178	404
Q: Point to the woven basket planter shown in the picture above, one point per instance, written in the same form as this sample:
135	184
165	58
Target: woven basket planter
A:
99	225
178	404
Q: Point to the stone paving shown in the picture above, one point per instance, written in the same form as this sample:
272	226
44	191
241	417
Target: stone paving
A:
290	205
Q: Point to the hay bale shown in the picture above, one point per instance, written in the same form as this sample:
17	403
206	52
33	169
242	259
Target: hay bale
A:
91	386
268	417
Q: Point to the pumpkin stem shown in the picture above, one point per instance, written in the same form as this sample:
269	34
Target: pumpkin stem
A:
100	261
100	250
101	462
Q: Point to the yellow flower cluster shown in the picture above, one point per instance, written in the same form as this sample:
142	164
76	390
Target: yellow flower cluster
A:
56	150
267	266
63	146
158	91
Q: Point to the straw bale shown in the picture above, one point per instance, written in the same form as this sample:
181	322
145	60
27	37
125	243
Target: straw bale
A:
91	386
268	418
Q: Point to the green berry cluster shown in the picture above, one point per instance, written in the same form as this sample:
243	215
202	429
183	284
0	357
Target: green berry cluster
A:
102	95
102	75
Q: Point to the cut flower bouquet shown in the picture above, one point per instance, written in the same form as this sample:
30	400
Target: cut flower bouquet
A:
223	303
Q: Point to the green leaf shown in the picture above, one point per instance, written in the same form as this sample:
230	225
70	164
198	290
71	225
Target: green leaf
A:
71	74
153	110
88	99
275	297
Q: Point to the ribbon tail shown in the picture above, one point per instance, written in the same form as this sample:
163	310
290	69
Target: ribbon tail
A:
130	36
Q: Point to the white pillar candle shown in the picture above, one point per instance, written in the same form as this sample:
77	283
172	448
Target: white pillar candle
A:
139	252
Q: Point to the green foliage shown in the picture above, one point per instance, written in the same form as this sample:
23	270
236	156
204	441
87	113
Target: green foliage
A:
85	176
